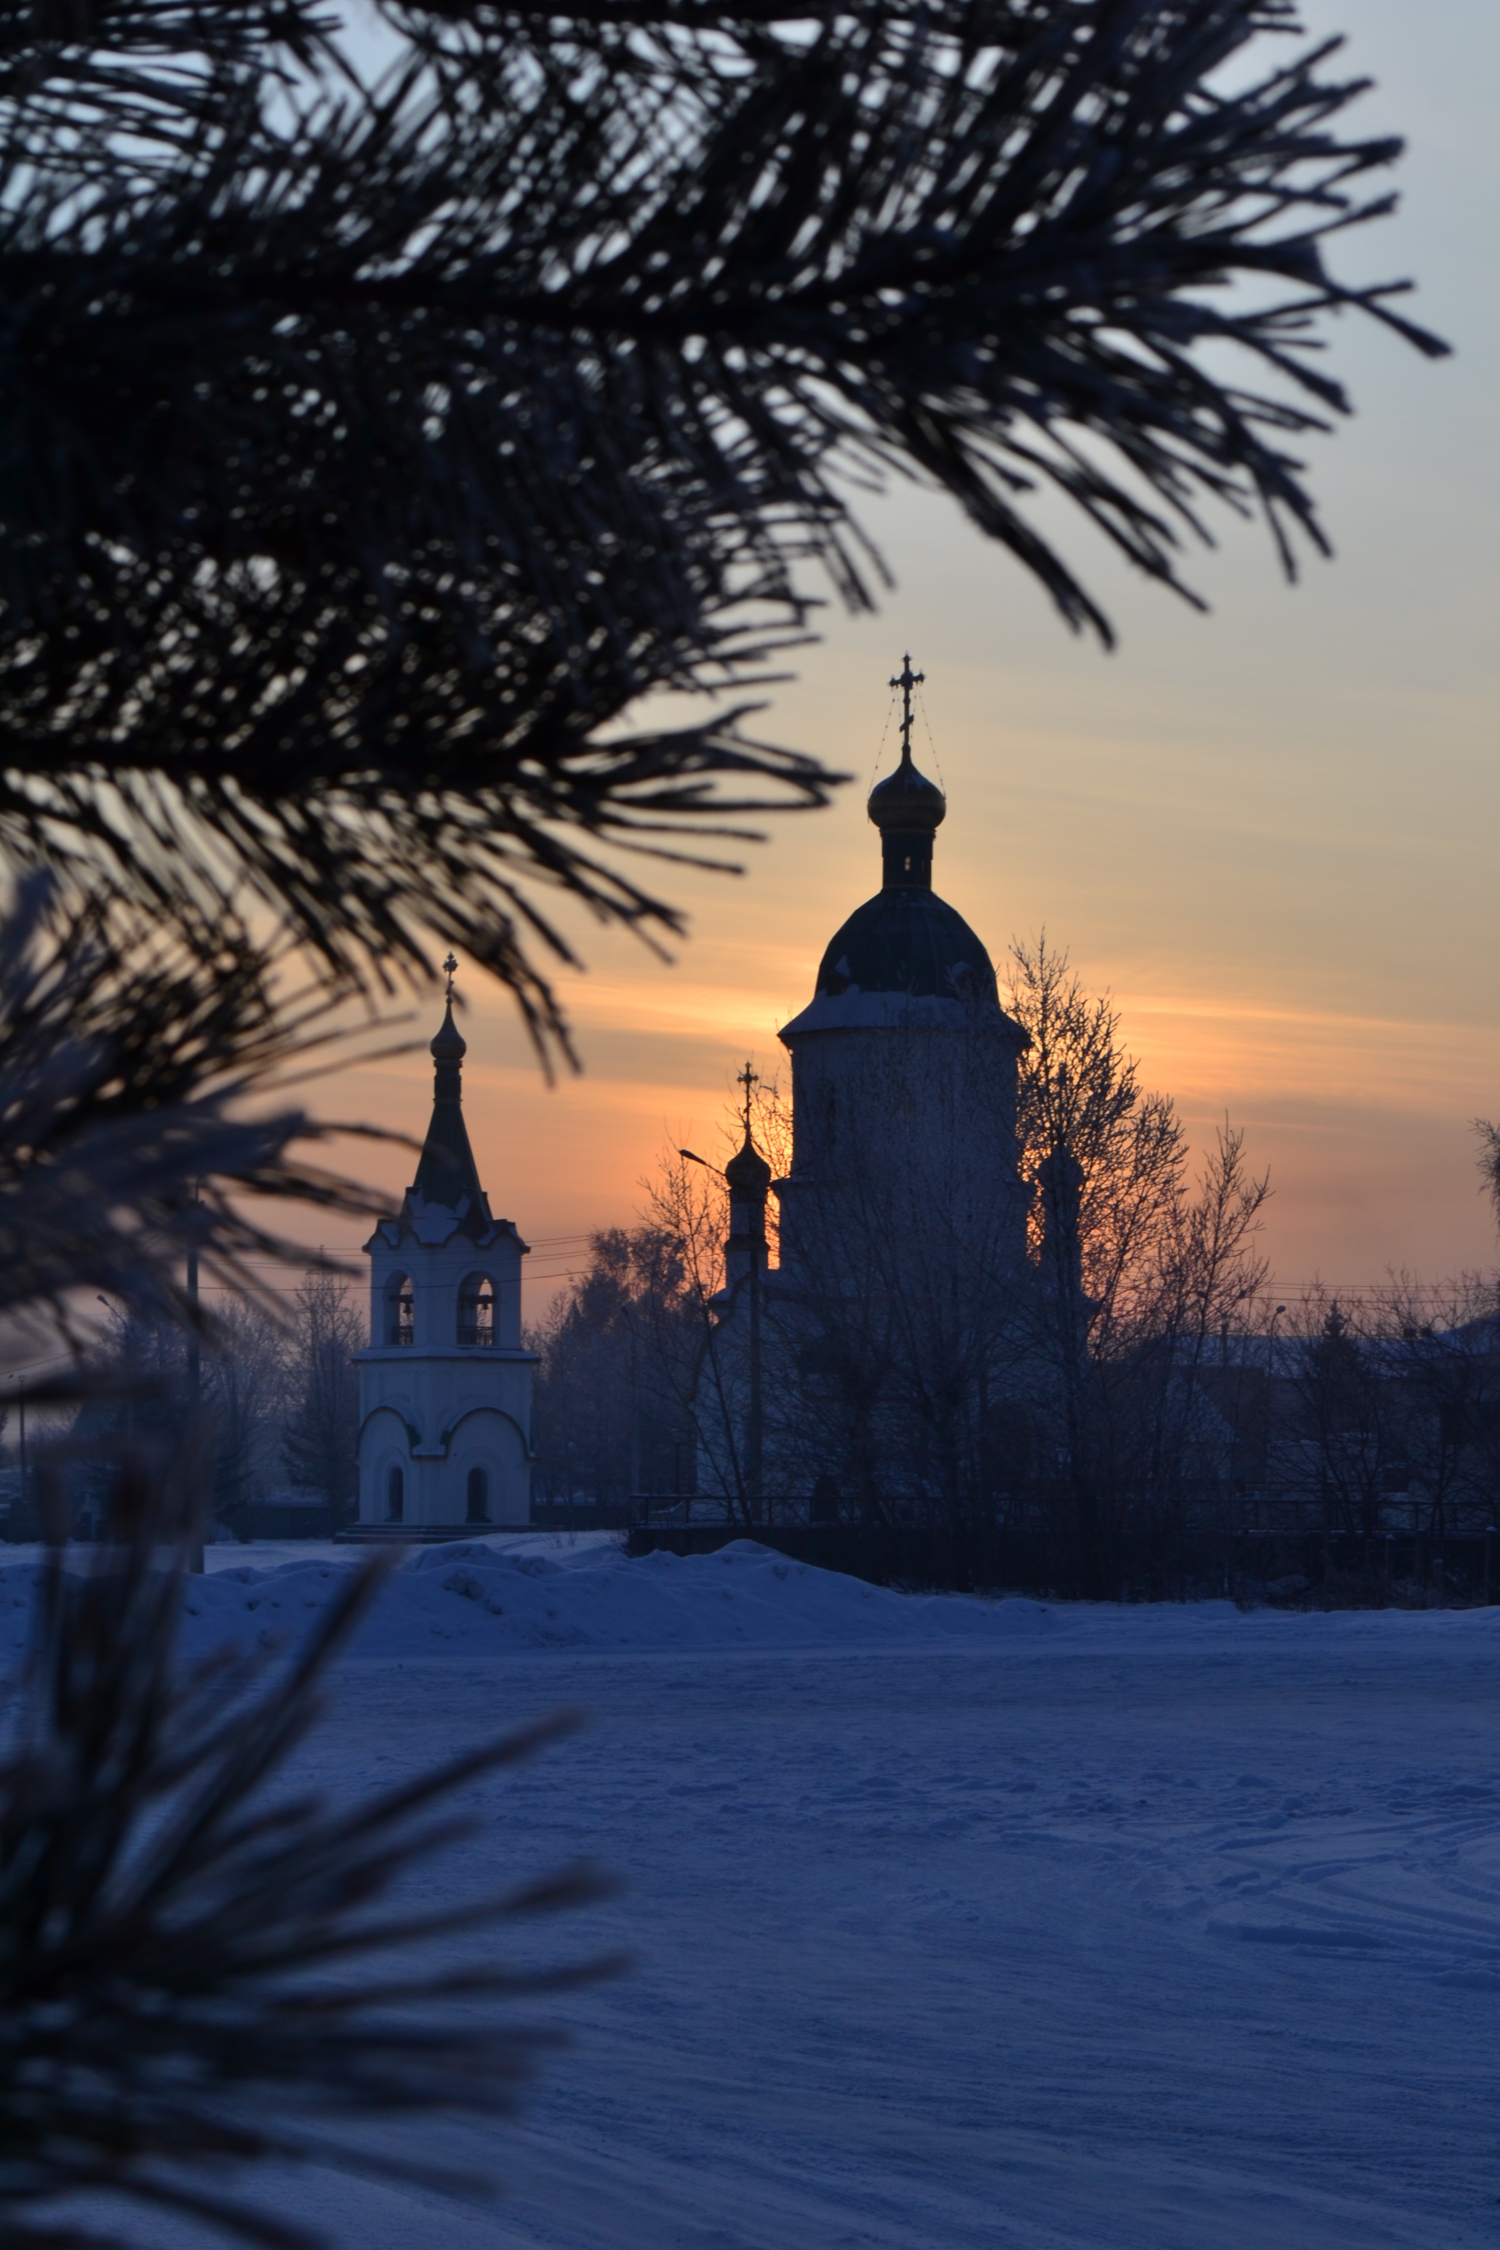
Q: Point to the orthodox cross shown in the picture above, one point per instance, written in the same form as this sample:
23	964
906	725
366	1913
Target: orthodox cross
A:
748	1078
906	680
450	969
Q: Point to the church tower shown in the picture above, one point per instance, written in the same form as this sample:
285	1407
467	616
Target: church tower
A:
445	1386
904	1069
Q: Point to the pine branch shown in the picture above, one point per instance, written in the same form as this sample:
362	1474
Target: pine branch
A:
176	1995
126	1060
368	448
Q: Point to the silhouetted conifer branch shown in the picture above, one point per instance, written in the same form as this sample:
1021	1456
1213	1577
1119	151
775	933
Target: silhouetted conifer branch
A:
370	444
191	1969
126	1062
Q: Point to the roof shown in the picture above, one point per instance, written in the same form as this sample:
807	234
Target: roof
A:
905	960
446	1198
908	941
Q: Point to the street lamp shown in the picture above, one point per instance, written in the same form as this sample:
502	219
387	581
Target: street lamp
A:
755	1420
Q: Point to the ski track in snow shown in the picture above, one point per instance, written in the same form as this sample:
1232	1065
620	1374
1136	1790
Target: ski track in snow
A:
955	1922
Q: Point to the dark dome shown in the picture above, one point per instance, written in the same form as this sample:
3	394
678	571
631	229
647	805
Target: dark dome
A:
907	801
748	1168
908	941
450	1044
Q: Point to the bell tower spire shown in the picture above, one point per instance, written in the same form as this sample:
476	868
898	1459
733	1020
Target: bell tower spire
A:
445	1384
447	1173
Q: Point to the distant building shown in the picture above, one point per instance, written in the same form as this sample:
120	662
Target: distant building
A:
903	1070
445	1385
905	1317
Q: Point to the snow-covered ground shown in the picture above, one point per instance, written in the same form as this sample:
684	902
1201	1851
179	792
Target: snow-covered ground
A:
956	1923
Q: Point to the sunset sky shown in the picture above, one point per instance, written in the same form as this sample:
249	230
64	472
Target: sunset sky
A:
1271	833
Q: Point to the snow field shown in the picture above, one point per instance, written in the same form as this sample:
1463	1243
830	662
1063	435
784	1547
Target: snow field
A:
955	1923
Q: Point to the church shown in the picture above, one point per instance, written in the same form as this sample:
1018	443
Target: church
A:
903	1064
445	1383
905	1309
905	1318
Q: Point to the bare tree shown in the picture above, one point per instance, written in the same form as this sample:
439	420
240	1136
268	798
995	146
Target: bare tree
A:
321	1439
1347	1422
1166	1385
613	1403
1081	1092
246	1379
1440	1351
1166	1274
1489	1160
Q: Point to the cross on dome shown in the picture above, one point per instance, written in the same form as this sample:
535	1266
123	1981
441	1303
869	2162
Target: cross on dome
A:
747	1078
906	679
906	807
747	1171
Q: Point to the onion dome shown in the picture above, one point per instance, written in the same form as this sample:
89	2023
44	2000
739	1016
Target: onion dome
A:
449	1045
747	1172
906	803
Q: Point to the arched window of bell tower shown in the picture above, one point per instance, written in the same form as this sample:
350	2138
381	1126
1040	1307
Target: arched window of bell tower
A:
476	1311
395	1495
478	1497
400	1312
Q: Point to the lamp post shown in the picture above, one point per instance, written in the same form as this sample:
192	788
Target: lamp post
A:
755	1419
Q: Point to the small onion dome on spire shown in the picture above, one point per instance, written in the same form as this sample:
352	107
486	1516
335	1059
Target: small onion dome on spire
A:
906	807
907	802
747	1172
449	1045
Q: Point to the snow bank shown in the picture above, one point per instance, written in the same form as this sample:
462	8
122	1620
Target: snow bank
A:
552	1591
544	1593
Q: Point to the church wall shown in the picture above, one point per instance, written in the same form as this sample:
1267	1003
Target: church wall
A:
437	1408
438	1417
908	1130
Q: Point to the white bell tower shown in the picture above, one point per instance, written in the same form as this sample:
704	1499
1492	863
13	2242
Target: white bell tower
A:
445	1386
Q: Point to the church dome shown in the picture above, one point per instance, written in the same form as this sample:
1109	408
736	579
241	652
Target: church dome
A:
908	941
748	1169
906	802
906	957
449	1044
